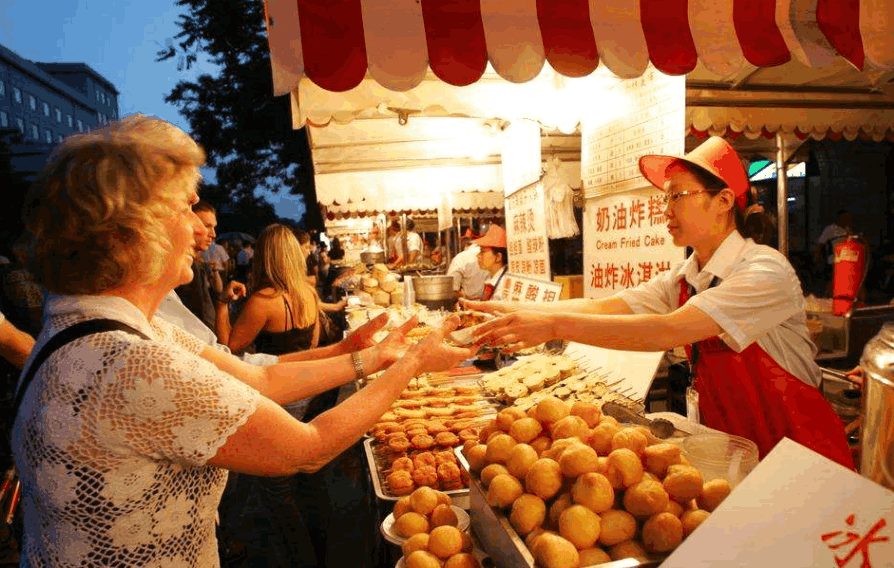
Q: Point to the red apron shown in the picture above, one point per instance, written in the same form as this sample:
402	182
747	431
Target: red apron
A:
749	394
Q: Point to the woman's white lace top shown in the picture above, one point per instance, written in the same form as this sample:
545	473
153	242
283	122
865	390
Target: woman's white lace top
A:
111	442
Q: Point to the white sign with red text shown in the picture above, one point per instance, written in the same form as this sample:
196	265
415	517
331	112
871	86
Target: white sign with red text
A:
527	244
625	242
519	288
796	509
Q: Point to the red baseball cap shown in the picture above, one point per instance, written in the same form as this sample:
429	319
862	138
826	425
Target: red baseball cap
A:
715	155
495	237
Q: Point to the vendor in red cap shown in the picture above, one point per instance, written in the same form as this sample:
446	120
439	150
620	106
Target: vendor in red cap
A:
735	305
492	258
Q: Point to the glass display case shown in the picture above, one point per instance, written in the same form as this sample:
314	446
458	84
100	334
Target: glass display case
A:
840	339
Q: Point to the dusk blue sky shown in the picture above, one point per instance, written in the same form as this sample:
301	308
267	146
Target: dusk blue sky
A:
119	39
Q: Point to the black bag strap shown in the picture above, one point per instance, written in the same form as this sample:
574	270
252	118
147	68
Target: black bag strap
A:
67	335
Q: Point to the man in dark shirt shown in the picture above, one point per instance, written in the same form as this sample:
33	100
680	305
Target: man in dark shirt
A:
197	294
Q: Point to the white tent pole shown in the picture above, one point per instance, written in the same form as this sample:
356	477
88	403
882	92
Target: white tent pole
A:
781	193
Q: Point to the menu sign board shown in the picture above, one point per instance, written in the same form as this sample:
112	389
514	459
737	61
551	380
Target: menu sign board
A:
796	509
526	241
651	120
521	155
626	242
517	288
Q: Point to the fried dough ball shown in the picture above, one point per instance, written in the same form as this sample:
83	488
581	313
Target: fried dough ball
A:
553	551
400	443
503	490
627	464
424	459
422	559
627	549
443	498
662	533
491	471
578	460
468	435
609	420
405	464
525	429
521	458
418	541
486	431
462	560
476	456
445	456
593	490
601	437
645	499
498	448
659	457
425	476
651	477
467	542
713	494
402	506
544	478
444	515
445	541
532	537
446	439
422	441
674	509
580	526
630	438
559	505
555	450
411	523
418	431
541	444
683	483
593	556
551	410
591	413
448	473
507	416
617	526
400	482
571	427
692	519
424	500
528	513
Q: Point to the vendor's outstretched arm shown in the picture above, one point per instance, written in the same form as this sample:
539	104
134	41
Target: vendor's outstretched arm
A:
610	305
640	332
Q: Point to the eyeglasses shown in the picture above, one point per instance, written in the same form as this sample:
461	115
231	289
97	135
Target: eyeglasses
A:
670	199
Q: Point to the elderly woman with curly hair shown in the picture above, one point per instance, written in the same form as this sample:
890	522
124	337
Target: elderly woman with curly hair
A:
124	438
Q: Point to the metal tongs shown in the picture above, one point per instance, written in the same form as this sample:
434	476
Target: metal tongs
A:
660	427
10	482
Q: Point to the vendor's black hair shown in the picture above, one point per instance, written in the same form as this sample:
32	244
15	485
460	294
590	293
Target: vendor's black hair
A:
503	254
411	224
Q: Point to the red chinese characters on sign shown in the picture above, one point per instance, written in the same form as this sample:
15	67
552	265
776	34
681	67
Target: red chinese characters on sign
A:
839	539
656	211
531	292
603	219
549	296
636	213
613	276
619	218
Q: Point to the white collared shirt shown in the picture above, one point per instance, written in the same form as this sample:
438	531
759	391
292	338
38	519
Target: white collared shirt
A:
467	275
758	298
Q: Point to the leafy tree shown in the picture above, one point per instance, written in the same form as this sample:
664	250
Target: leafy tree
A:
245	130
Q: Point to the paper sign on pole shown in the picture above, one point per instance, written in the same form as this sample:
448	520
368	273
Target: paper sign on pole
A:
796	509
521	155
526	238
445	211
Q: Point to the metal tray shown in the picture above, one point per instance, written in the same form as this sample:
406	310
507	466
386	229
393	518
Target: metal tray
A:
460	497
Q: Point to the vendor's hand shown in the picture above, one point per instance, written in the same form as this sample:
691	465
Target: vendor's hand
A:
341	304
433	355
855	376
518	330
395	344
234	291
362	337
495	308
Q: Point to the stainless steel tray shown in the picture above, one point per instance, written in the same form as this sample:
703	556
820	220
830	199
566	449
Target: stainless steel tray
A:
460	497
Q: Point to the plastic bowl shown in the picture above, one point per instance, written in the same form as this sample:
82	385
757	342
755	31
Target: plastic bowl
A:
721	456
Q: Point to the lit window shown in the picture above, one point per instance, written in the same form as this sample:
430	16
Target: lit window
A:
68	118
4	120
2	88
114	114
80	126
99	117
17	94
35	133
48	136
46	109
32	102
21	125
58	115
58	138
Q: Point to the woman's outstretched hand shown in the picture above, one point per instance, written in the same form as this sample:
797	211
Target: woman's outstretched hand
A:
518	330
433	355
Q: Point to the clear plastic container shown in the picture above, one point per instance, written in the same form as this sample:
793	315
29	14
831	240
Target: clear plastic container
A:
721	456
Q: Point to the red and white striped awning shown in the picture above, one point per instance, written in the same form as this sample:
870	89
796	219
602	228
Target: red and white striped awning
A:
335	43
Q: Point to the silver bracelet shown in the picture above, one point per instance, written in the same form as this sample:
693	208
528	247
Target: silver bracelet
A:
359	373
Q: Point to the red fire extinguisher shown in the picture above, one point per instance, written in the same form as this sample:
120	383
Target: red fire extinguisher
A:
848	272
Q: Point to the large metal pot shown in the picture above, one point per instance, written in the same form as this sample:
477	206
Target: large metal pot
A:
434	292
877	429
372	257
